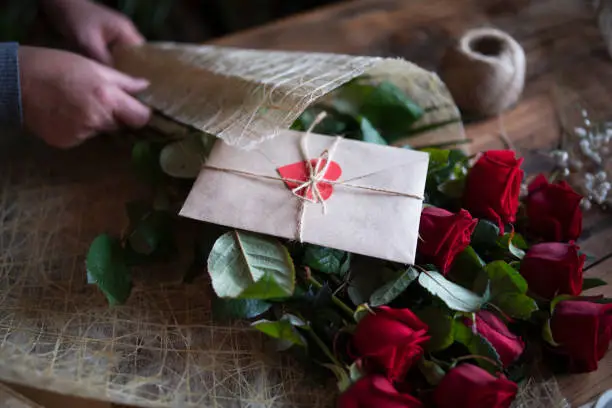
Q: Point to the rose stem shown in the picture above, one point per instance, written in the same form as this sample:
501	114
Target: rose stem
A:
350	312
323	347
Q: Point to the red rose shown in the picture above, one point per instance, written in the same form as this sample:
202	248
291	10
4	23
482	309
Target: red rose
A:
443	235
583	331
493	185
467	386
389	341
553	268
376	391
508	345
554	210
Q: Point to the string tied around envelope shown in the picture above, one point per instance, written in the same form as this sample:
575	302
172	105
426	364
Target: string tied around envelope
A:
315	176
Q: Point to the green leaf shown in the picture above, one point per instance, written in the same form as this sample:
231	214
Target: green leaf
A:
432	372
590	283
477	345
247	265
438	159
456	297
362	311
145	160
547	334
558	299
485	234
369	133
336	122
440	324
356	371
184	158
517	305
507	241
327	260
453	188
467	267
505	279
281	329
343	380
150	231
106	267
389	291
230	309
390	109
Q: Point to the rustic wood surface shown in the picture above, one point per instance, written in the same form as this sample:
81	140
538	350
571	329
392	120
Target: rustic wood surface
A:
564	49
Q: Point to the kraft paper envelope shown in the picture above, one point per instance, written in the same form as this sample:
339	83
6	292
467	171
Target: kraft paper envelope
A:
374	208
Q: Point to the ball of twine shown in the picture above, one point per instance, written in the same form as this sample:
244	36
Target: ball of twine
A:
484	71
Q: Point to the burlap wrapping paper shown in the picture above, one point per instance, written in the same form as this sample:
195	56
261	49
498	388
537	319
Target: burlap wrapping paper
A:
161	348
246	96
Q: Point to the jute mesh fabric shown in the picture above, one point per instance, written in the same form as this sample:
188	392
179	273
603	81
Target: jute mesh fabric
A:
162	348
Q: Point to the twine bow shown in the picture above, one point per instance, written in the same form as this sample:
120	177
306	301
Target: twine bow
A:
316	175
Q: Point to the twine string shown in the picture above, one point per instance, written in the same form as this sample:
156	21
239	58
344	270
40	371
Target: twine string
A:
316	174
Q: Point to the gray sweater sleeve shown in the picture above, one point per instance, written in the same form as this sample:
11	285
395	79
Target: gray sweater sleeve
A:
10	90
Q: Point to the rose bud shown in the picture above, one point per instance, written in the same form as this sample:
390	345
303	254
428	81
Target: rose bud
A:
583	331
376	391
552	269
443	235
389	341
467	386
553	210
492	187
508	345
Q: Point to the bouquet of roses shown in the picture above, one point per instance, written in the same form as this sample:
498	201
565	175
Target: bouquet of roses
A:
496	288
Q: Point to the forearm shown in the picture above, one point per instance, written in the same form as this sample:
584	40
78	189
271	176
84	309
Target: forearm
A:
10	90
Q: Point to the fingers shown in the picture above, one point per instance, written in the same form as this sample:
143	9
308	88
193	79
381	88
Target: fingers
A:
127	34
97	48
130	112
128	83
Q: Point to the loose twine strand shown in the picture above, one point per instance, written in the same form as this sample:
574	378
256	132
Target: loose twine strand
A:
316	175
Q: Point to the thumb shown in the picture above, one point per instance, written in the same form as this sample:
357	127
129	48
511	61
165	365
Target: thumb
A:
130	111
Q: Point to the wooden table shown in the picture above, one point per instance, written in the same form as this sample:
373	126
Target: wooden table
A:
561	40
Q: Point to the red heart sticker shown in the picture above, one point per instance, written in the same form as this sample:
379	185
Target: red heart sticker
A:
299	171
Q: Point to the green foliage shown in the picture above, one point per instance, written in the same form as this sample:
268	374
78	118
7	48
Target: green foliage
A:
485	235
440	328
250	266
145	161
445	177
454	296
369	134
107	268
184	158
432	372
477	345
327	260
590	283
395	287
229	309
386	106
284	329
508	291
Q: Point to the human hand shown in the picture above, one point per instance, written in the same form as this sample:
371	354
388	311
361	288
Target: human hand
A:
67	98
92	27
